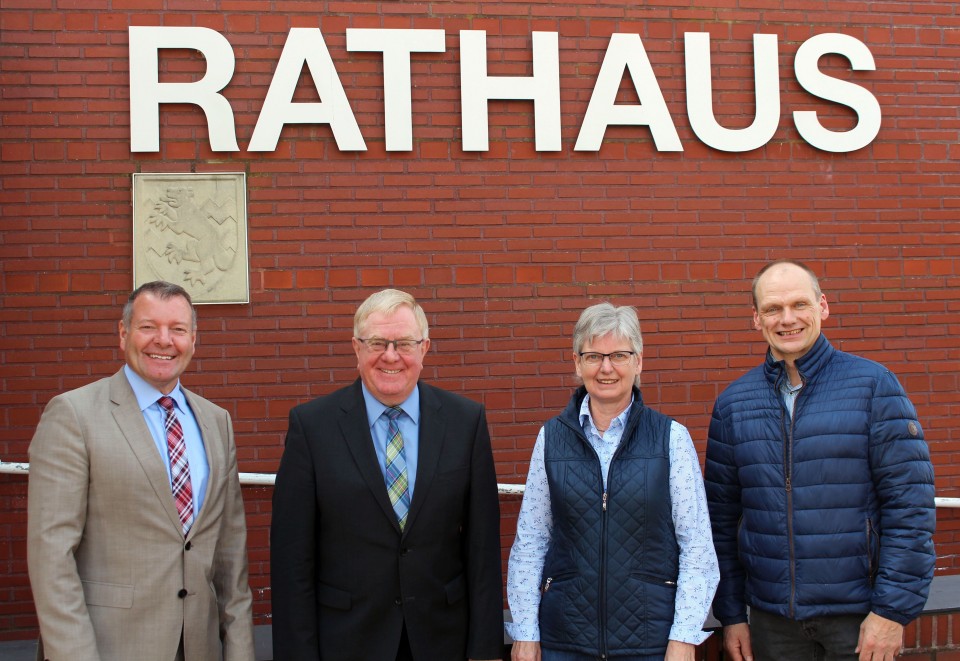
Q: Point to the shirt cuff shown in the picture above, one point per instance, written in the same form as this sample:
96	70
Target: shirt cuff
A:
688	635
520	632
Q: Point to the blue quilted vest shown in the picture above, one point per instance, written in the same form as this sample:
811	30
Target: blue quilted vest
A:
610	575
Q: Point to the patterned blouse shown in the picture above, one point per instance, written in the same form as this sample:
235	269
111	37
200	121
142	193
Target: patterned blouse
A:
699	572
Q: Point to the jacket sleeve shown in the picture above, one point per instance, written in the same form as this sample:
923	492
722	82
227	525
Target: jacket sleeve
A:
481	549
56	517
723	499
234	601
903	479
293	553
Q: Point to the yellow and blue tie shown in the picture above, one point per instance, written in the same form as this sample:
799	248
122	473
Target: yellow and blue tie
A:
396	467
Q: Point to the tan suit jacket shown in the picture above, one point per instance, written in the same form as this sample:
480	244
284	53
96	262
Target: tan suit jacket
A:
113	577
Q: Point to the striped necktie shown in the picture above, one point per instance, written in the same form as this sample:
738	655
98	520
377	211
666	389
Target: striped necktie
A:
396	467
179	469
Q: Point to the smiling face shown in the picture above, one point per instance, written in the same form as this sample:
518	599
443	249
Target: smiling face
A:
390	376
789	311
159	343
609	385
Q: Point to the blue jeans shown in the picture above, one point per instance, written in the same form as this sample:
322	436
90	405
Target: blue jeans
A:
831	638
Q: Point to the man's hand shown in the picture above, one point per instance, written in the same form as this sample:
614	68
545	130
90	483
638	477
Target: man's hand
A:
677	651
525	650
880	639
736	642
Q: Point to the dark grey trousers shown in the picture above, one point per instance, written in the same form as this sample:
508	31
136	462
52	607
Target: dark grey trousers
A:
832	638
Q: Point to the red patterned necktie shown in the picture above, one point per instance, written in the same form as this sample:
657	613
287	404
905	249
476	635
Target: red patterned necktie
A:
179	469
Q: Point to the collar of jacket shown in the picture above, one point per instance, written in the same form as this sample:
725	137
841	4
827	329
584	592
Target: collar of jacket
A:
571	414
809	365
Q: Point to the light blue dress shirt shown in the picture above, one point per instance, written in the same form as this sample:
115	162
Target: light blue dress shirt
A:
699	572
154	416
789	393
409	424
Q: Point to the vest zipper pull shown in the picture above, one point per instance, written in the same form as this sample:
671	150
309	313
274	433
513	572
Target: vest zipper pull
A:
604	501
546	586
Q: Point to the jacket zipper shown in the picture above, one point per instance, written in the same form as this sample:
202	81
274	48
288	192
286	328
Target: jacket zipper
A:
603	547
628	429
602	606
550	580
788	472
602	611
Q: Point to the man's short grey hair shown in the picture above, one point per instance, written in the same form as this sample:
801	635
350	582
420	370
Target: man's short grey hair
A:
386	302
784	262
605	319
162	290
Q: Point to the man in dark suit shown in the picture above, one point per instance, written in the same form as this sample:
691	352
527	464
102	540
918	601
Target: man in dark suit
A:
385	541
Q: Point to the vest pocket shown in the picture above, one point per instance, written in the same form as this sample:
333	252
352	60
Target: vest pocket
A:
656	580
558	608
654	597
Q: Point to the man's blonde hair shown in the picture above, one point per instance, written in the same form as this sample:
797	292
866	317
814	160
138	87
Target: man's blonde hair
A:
385	302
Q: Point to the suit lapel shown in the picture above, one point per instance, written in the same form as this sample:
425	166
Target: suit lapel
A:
355	429
129	419
212	447
432	427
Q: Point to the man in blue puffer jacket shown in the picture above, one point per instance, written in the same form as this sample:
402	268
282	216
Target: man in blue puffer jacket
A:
820	490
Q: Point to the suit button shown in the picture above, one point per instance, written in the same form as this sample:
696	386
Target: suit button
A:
404	551
397	601
188	545
182	593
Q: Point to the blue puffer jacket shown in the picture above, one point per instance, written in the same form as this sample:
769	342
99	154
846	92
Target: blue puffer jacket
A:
830	512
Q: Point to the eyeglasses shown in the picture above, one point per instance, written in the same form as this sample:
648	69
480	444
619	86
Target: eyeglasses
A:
594	359
379	345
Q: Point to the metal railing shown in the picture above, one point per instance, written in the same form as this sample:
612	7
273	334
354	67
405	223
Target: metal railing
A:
248	479
268	479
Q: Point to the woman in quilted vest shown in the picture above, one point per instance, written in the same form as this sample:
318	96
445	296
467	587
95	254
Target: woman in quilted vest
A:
613	557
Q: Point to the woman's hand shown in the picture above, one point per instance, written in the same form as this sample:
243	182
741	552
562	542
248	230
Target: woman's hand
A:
526	650
677	651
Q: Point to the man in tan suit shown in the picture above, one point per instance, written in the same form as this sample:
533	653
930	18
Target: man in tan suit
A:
136	538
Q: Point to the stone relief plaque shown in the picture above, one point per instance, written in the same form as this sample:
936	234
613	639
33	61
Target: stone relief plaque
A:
191	229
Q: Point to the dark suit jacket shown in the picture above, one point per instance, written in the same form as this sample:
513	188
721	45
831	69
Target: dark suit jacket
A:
344	578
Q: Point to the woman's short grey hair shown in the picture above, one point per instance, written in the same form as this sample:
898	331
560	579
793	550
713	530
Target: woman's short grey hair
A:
386	302
605	319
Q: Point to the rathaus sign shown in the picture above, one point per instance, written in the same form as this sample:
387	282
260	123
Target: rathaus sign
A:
625	57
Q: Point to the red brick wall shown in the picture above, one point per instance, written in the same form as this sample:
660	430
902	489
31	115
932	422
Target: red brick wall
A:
503	247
